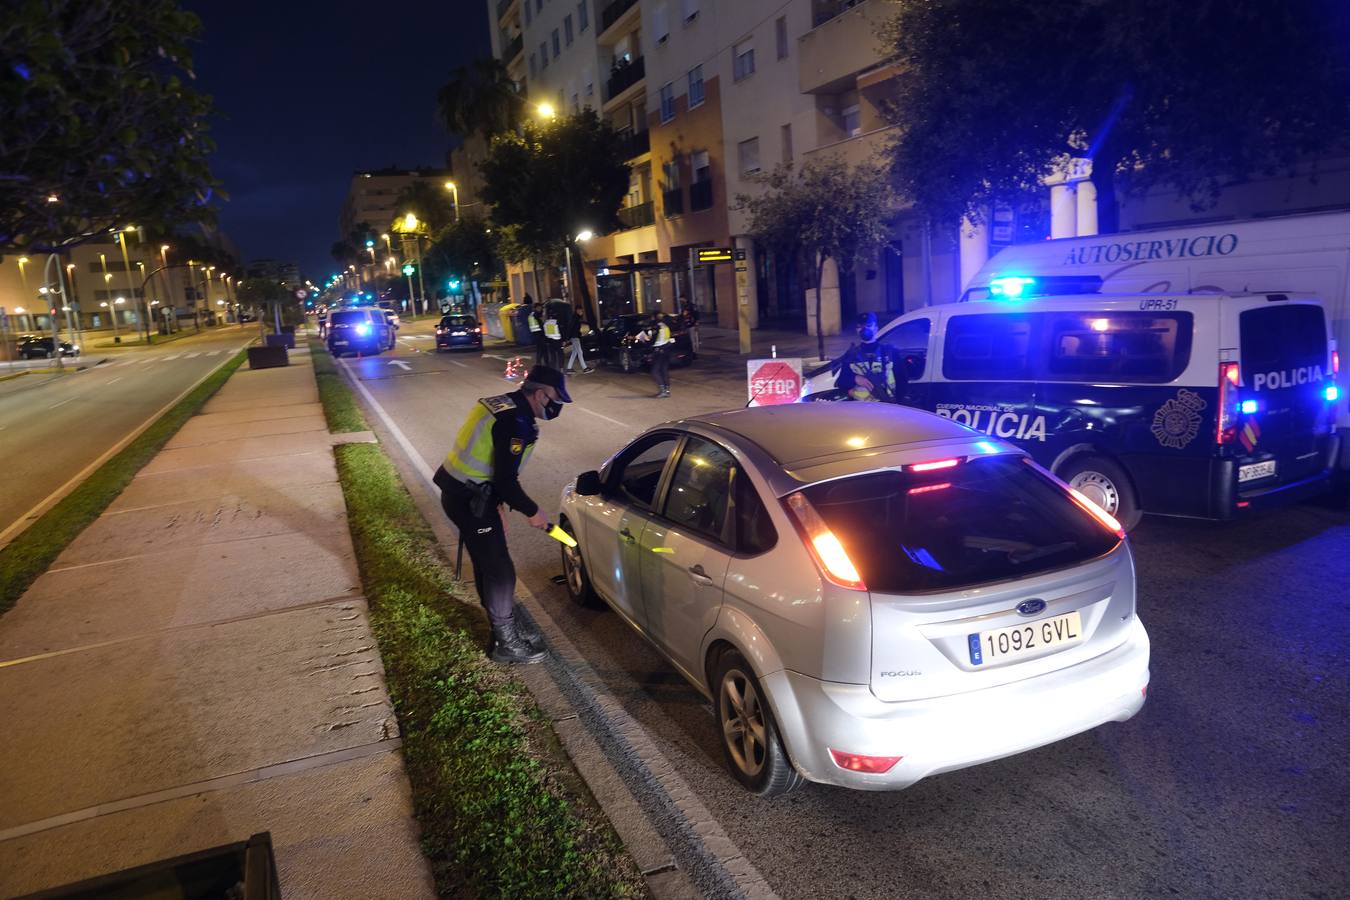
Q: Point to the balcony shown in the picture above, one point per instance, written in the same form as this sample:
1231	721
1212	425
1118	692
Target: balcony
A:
614	12
637	216
672	202
865	148
513	48
700	195
503	6
635	143
624	77
842	44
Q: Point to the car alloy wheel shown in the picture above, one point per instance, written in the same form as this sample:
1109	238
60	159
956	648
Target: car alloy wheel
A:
578	582
749	735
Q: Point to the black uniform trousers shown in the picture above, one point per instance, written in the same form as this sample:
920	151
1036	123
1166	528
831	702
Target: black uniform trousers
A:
661	367
494	575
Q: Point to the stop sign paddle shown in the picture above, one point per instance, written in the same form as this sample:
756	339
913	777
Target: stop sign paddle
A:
774	381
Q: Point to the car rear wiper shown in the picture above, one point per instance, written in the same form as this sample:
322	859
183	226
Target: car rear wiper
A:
1023	556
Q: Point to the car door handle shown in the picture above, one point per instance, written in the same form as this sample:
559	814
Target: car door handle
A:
698	576
626	535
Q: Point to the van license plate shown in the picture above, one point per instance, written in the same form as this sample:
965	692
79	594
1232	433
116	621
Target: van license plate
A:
1256	470
339	343
1026	639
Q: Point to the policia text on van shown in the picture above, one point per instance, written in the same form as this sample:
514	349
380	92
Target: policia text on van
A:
1191	405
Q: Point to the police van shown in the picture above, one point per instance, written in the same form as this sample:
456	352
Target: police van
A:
1180	404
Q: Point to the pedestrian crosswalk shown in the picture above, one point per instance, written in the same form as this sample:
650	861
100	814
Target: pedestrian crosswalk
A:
151	360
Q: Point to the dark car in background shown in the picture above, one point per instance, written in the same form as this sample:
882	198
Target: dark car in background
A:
459	331
39	347
615	343
361	330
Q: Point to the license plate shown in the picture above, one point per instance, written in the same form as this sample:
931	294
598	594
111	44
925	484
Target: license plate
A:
1256	470
1024	639
339	343
457	334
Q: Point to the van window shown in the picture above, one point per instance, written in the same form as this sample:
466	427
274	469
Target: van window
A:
911	339
1117	346
350	317
1281	336
992	346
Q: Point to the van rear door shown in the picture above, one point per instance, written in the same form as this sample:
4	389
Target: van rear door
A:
1284	356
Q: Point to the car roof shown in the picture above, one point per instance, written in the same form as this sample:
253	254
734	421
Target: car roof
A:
801	443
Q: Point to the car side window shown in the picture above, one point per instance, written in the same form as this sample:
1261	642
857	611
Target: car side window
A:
638	476
755	533
911	339
700	490
989	347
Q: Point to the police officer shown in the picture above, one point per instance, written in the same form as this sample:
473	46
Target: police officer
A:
553	355
536	332
871	370
480	472
662	342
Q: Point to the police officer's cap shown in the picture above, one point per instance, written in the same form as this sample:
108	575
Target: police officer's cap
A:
865	319
551	377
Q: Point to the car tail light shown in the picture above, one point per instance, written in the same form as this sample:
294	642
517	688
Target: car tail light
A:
824	546
478	331
440	331
1111	522
1227	428
929	488
1335	362
856	762
934	465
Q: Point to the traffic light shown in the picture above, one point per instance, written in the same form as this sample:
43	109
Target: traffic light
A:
453	284
409	269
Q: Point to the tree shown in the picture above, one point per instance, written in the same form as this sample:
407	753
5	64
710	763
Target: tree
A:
480	98
463	249
100	129
264	292
431	203
994	95
823	211
551	181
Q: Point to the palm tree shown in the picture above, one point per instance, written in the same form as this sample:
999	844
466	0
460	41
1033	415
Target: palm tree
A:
480	98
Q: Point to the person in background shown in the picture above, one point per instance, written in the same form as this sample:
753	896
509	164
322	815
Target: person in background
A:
536	330
659	335
574	335
871	370
553	354
689	320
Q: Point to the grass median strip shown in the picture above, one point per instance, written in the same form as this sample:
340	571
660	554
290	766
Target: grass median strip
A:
338	403
503	812
34	550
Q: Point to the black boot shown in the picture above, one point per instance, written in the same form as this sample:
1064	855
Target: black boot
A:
509	647
528	633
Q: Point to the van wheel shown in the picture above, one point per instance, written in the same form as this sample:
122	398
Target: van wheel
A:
578	581
1105	483
750	739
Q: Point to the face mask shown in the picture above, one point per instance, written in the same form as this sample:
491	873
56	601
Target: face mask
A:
552	409
868	335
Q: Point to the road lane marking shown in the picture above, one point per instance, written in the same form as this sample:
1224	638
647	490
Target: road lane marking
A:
605	417
192	356
114	381
61	402
401	364
175	356
455	362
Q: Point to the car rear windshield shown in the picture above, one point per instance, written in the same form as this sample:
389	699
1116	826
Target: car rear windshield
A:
350	317
458	322
989	519
1282	336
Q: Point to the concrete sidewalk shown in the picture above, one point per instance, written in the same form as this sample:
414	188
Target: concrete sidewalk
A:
198	666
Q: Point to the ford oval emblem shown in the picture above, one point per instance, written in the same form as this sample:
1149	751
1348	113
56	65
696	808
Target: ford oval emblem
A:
1031	607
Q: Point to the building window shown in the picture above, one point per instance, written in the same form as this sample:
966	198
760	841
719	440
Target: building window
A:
747	153
528	14
690	10
556	46
532	64
567	29
543	56
589	81
787	142
695	86
742	60
538	5
700	190
576	102
667	102
852	120
780	32
672	200
661	23
583	15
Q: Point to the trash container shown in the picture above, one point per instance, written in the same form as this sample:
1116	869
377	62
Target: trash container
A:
520	319
507	314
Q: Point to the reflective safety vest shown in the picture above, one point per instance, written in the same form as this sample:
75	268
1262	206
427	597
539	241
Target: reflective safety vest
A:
534	324
551	330
662	336
470	459
878	368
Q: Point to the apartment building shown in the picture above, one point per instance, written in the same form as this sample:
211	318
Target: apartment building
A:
372	195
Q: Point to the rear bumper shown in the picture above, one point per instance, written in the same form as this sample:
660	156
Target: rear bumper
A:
1232	501
450	342
946	733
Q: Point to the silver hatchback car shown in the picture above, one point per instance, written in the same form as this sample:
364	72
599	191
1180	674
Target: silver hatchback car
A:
869	594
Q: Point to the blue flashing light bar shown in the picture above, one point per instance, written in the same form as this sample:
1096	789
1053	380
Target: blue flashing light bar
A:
1248	407
1332	393
1010	287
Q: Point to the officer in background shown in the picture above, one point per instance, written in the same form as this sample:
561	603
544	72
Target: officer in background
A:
553	355
871	370
480	473
536	331
662	342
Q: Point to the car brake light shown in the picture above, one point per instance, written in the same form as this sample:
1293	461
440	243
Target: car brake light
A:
930	466
825	547
1112	524
1226	428
856	762
1335	362
929	488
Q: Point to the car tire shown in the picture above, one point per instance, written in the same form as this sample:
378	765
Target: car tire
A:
1105	483
626	360
575	576
750	740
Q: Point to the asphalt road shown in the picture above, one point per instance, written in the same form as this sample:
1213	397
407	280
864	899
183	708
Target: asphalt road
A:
53	426
1232	781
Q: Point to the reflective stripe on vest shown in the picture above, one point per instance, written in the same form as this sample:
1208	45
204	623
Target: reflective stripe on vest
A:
551	330
534	323
662	335
471	457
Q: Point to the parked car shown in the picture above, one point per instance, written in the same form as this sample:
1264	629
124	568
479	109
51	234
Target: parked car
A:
45	347
459	330
868	594
615	343
361	330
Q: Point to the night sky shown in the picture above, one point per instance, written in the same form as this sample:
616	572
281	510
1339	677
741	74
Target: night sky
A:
307	93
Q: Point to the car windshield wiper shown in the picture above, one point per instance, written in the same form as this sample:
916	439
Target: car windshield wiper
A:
1023	556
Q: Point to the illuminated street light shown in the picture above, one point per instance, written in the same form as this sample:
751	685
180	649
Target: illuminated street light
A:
585	234
546	110
454	192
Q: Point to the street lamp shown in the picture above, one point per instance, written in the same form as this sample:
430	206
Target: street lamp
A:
126	267
546	110
454	192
